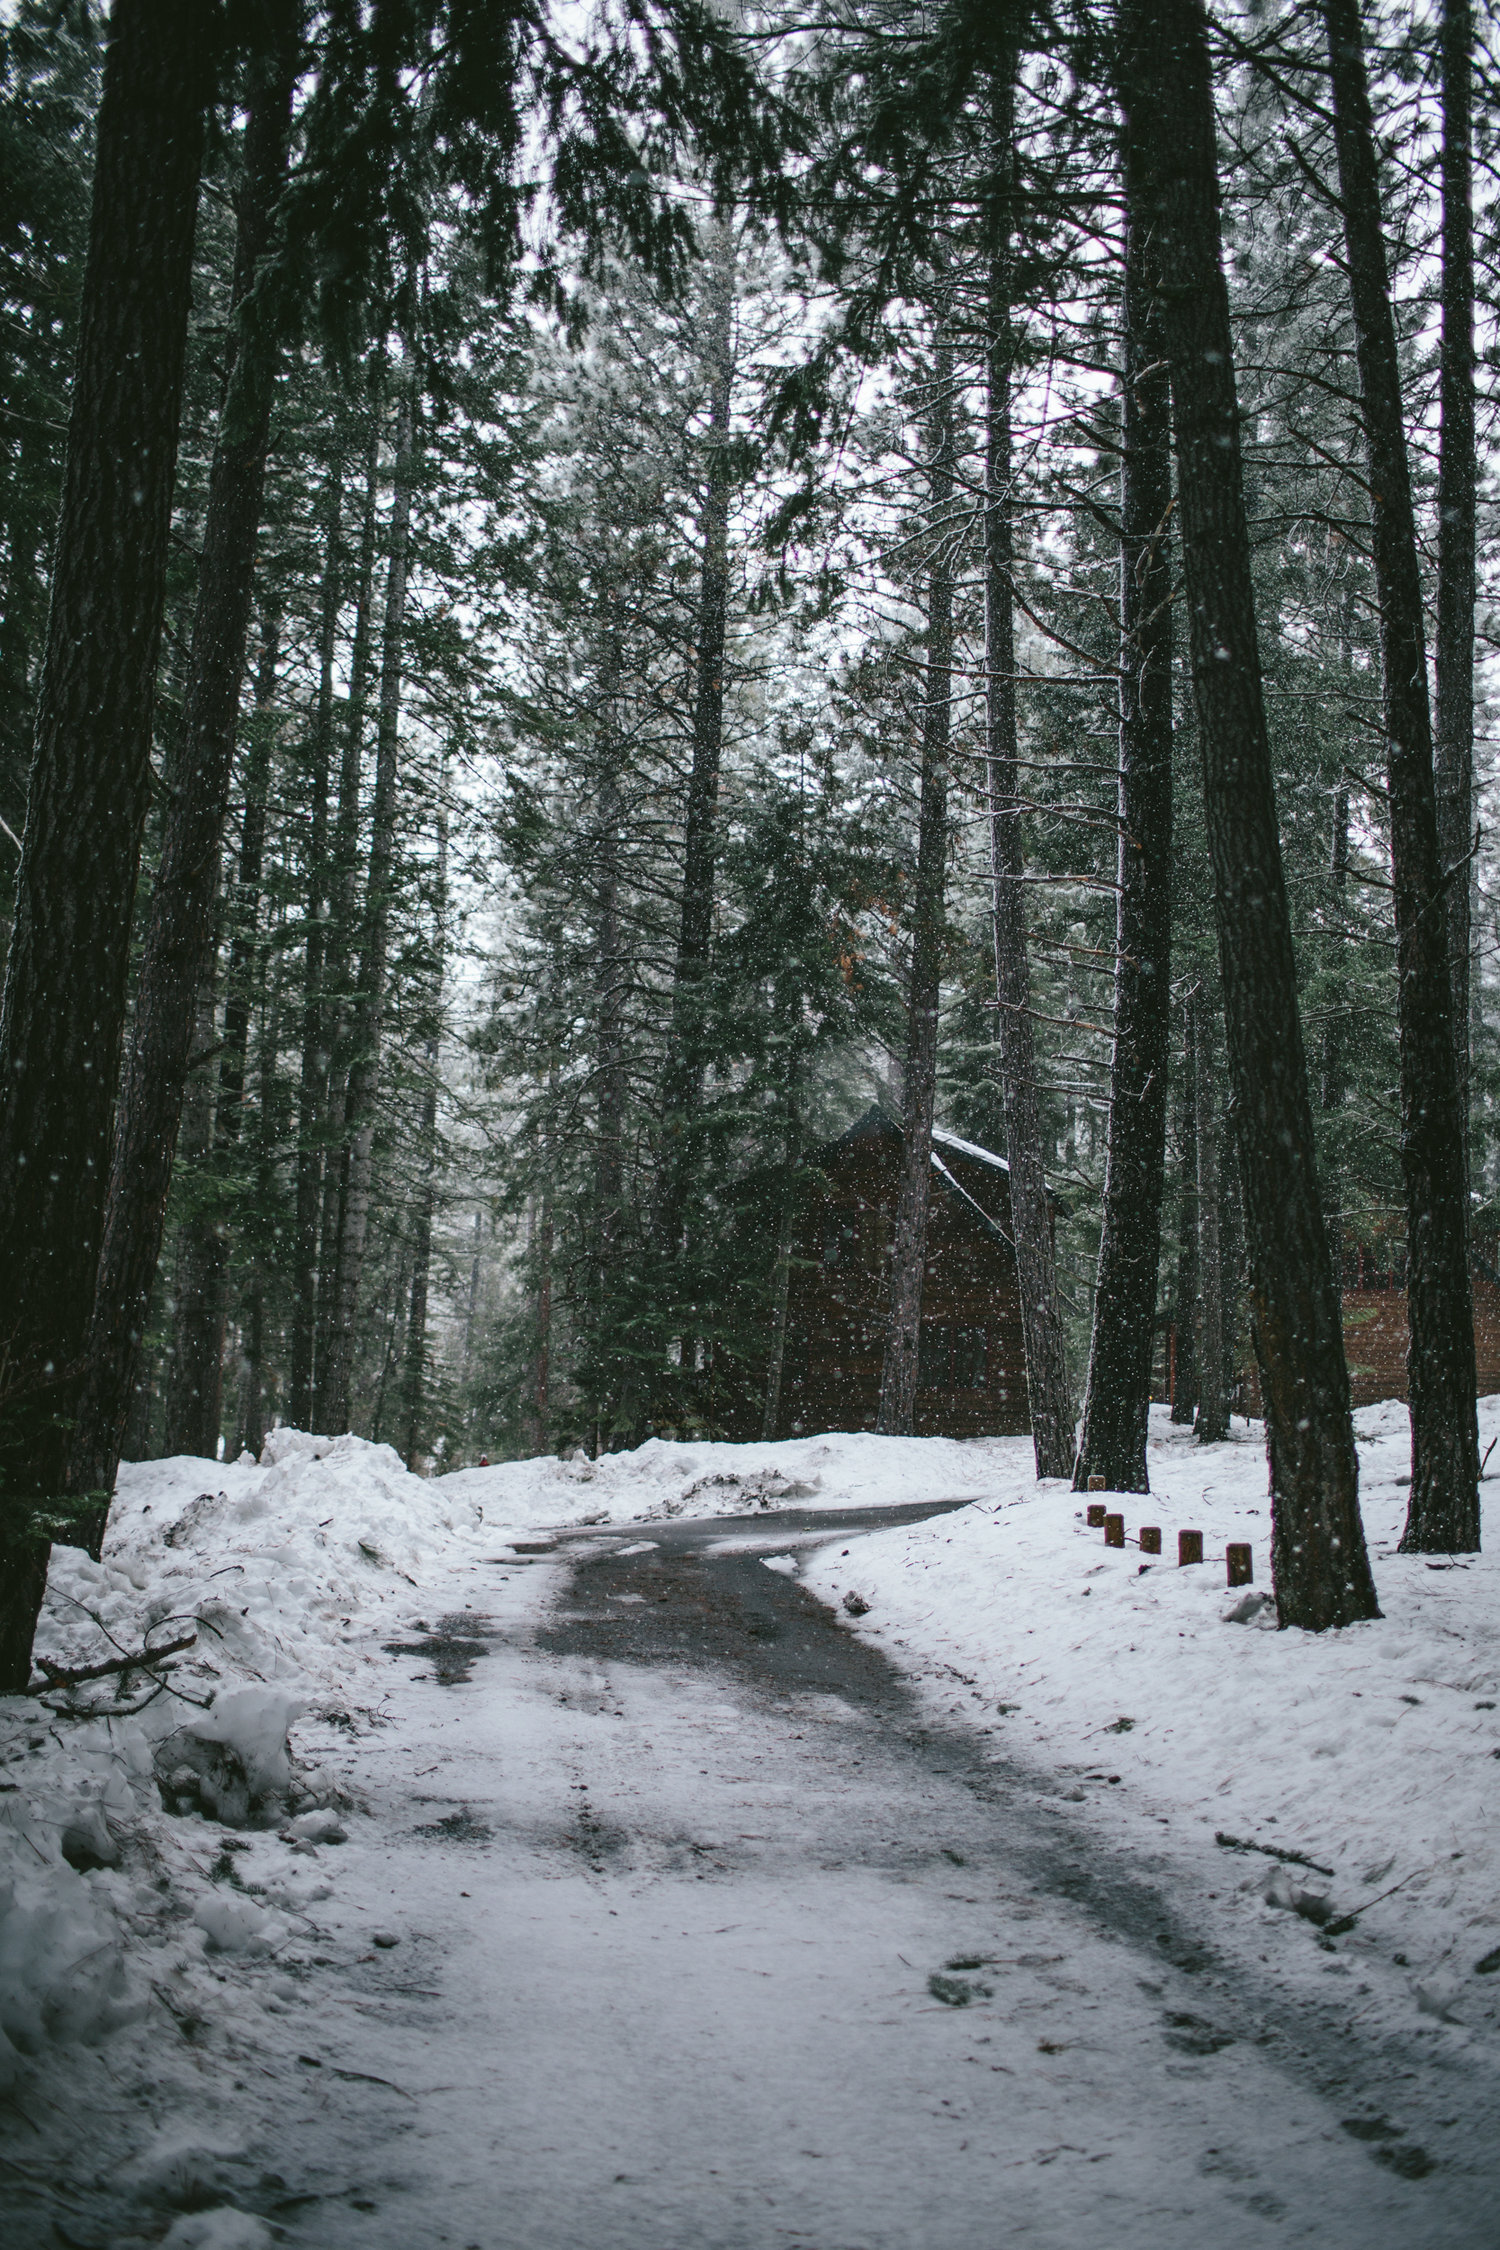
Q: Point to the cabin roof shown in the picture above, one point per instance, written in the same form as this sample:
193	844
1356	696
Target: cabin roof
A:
876	1124
969	1148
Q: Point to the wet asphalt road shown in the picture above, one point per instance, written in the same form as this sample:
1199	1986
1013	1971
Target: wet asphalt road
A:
703	1595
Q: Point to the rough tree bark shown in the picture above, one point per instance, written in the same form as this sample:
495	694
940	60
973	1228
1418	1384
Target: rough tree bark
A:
1444	1512
1113	1444
899	1369
1333	1087
1031	1212
781	1272
312	1096
193	1299
426	1197
63	1015
687	1049
179	932
195	1403
272	1121
610	1378
370	990
1319	1561
541	1376
1213	1403
1185	1285
1453	743
339	943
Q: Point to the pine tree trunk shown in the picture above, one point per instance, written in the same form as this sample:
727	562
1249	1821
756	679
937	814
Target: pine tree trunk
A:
370	991
1031	1209
202	1316
63	1016
1444	1512
542	1373
271	1134
1185	1288
682	1075
312	1100
245	947
1453	744
250	1417
901	1365
339	944
611	1379
1213	1405
781	1273
426	1199
1319	1561
1333	1090
1113	1444
179	933
416	1319
471	1310
387	1314
245	976
193	1371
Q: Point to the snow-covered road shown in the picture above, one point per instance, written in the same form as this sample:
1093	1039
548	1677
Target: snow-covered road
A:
706	1938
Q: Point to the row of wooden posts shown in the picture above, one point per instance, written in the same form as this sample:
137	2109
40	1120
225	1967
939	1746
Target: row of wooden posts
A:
1237	1555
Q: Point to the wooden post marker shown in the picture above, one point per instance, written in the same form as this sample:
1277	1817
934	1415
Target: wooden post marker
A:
1096	1514
1189	1547
1150	1539
1114	1531
1241	1571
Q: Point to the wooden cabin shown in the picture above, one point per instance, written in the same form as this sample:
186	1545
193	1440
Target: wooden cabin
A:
972	1368
1374	1280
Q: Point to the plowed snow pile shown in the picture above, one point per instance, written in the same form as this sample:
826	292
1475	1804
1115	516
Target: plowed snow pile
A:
840	1470
280	1569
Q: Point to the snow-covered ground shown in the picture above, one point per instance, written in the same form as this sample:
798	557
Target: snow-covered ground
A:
175	1859
1371	1752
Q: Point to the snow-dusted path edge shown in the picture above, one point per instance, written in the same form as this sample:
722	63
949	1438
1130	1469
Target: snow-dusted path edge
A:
1150	1695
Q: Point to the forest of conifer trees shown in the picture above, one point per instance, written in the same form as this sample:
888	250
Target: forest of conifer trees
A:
588	593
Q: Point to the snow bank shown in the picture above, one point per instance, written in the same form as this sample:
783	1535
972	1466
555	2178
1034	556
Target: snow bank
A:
286	1570
841	1469
1176	1705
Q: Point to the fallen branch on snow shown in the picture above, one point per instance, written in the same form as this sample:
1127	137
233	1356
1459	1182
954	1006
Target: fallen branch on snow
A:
1272	1851
134	1660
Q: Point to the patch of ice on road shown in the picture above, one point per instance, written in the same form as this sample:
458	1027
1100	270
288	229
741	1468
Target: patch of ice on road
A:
788	1565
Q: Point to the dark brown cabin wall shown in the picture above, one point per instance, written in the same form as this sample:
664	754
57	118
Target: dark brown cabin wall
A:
836	1316
1375	1338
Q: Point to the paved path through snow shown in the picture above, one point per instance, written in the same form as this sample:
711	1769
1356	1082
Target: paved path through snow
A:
685	1887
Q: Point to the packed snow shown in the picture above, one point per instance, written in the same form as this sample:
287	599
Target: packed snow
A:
1352	1770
